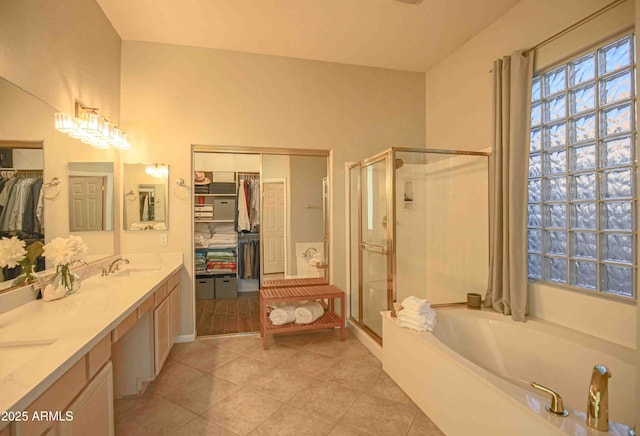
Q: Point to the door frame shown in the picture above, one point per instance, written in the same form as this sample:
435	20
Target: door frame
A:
285	191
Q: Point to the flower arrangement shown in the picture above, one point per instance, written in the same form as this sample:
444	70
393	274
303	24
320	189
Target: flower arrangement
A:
13	253
62	253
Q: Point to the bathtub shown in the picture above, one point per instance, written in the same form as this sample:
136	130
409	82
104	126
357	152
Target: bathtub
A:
471	375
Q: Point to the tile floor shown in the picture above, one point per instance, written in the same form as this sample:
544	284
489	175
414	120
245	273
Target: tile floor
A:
303	384
228	315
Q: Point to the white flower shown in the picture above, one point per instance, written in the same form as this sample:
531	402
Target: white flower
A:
63	251
12	251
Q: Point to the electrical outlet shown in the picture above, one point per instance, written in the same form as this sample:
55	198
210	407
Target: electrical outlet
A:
164	240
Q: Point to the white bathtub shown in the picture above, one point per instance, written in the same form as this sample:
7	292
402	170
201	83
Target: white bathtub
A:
471	374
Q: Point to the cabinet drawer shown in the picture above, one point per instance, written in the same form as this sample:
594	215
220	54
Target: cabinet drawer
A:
174	280
146	306
124	326
226	287
160	294
99	355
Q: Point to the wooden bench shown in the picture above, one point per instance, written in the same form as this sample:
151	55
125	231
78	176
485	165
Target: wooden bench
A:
329	319
289	283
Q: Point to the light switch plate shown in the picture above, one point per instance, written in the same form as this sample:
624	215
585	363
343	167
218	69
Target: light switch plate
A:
164	240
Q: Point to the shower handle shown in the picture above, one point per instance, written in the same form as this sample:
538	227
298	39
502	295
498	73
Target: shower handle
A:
374	248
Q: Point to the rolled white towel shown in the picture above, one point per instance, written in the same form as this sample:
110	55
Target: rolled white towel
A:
283	314
416	304
308	313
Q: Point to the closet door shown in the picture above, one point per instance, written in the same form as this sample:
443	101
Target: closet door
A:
273	227
86	203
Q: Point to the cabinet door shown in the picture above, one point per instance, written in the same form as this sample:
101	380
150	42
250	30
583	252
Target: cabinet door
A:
162	333
174	304
93	409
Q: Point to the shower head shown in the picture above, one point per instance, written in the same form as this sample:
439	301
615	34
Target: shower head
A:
399	163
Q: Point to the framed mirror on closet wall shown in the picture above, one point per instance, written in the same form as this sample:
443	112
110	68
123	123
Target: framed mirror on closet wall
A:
32	153
145	189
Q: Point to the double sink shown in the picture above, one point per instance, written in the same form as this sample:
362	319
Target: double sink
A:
18	352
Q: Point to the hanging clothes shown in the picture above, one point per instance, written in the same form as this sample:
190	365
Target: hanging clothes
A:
244	224
20	211
248	259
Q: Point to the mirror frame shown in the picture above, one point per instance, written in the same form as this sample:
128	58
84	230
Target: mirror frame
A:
261	151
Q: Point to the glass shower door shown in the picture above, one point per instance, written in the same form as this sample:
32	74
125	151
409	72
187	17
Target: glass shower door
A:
375	279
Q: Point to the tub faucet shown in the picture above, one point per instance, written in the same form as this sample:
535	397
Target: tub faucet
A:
598	401
557	406
115	265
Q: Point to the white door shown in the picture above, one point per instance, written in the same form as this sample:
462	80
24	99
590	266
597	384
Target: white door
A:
273	213
86	203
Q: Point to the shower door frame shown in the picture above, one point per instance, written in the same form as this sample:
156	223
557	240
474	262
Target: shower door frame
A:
388	248
390	155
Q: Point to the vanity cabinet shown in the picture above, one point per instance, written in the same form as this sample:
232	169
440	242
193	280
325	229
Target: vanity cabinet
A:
93	409
80	402
166	318
140	354
162	333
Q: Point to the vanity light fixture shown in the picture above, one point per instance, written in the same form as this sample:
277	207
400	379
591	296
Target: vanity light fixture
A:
157	170
92	128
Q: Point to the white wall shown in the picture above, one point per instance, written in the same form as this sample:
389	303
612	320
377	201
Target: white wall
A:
175	96
458	99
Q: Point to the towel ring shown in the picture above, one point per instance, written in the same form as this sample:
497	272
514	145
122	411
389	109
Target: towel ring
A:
131	195
54	183
180	184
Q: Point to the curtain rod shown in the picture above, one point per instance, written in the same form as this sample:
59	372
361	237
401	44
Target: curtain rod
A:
575	25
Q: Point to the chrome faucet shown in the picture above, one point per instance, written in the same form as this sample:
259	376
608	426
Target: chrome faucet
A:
307	252
115	265
598	401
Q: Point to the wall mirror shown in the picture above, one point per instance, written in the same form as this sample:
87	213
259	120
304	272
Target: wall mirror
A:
293	216
91	199
145	196
32	148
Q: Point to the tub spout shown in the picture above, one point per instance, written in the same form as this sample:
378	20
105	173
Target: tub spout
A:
557	406
598	401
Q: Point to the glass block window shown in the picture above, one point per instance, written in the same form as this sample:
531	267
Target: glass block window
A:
582	166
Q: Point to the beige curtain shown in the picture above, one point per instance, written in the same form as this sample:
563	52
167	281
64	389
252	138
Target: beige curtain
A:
507	288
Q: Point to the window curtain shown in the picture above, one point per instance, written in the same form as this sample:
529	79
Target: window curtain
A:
507	287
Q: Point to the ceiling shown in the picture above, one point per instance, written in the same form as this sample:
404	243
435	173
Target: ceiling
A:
378	33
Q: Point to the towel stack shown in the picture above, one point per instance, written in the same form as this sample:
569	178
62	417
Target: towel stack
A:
416	314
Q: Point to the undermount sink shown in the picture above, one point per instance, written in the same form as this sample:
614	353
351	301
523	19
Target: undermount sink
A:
132	272
14	354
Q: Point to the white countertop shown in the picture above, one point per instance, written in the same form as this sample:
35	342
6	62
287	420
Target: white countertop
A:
73	325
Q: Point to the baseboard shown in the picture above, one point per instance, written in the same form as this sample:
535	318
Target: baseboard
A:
185	338
366	340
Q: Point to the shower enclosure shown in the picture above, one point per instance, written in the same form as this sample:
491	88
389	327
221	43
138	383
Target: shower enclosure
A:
418	225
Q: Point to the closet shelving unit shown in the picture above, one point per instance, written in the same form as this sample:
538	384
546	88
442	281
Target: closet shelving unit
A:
218	283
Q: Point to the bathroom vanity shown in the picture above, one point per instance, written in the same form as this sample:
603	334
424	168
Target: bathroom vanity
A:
62	363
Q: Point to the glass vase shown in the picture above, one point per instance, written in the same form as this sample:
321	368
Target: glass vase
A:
67	278
27	275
